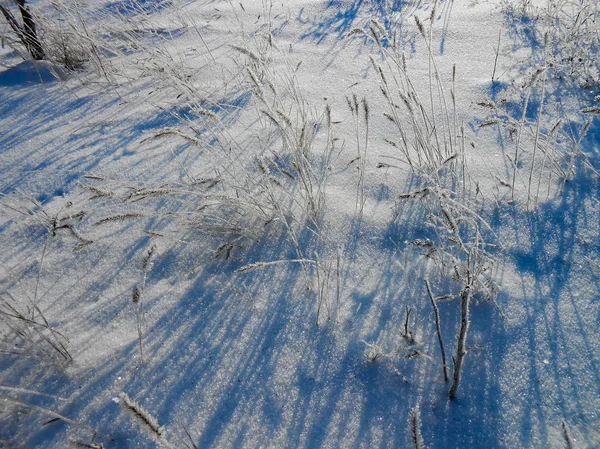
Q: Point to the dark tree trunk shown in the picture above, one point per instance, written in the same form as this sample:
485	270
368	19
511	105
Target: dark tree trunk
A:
26	33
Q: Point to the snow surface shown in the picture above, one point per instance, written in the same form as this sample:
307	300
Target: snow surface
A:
258	358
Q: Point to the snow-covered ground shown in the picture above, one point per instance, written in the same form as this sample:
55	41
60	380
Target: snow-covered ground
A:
226	221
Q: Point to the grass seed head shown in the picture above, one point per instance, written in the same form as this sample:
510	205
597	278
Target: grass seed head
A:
420	26
144	418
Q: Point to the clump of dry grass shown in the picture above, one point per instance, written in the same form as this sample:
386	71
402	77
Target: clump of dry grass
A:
27	331
569	32
55	415
430	145
546	147
563	39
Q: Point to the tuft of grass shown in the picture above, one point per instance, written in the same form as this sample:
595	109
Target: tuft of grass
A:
374	353
569	33
26	326
431	145
55	415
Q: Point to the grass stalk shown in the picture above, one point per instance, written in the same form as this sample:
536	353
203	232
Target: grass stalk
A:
496	58
136	299
56	415
461	347
567	436
535	143
415	429
438	329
